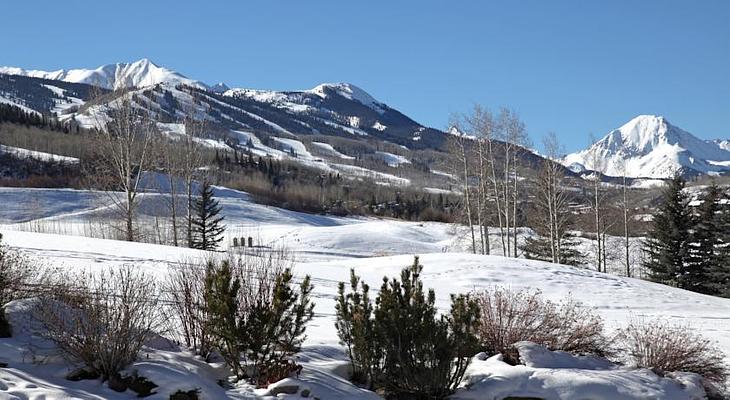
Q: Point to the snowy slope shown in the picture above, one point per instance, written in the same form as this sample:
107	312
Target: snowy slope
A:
112	76
649	146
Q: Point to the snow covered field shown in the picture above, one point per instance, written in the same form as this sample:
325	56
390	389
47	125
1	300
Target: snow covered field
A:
327	248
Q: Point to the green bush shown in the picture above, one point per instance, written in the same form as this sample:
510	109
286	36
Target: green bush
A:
400	345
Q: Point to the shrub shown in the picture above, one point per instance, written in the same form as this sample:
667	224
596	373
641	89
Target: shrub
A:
401	346
256	317
16	271
508	317
664	347
185	290
104	320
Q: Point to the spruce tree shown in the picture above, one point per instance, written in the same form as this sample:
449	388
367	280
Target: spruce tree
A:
207	225
705	271
539	248
667	244
721	277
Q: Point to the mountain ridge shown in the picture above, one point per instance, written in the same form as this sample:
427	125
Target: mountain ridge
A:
139	73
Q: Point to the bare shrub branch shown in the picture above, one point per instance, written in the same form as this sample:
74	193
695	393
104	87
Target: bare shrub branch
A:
16	271
508	317
104	320
664	347
184	288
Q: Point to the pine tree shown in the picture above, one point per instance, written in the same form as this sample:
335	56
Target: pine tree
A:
401	346
356	330
207	224
221	298
667	244
257	335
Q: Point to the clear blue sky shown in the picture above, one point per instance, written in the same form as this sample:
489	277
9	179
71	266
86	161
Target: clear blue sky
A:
572	67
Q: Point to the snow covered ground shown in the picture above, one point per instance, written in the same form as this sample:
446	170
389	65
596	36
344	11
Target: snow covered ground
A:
392	160
331	151
38	155
327	248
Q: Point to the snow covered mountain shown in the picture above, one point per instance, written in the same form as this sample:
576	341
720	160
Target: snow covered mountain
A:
649	146
112	76
331	109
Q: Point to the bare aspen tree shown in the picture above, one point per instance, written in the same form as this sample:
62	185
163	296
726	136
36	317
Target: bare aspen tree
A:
182	158
513	135
497	193
481	126
597	166
192	160
458	148
483	197
553	197
171	156
625	208
125	137
492	165
518	137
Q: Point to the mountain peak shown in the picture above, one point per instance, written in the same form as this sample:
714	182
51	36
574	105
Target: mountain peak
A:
144	61
219	87
348	91
649	146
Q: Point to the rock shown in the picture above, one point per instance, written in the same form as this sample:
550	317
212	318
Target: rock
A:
523	398
5	331
140	385
117	383
286	389
3	365
189	395
305	393
82	374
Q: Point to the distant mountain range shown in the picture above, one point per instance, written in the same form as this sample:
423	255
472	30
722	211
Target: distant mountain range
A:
649	146
339	109
646	147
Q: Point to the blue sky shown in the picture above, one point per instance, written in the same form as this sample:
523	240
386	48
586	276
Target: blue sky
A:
573	67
